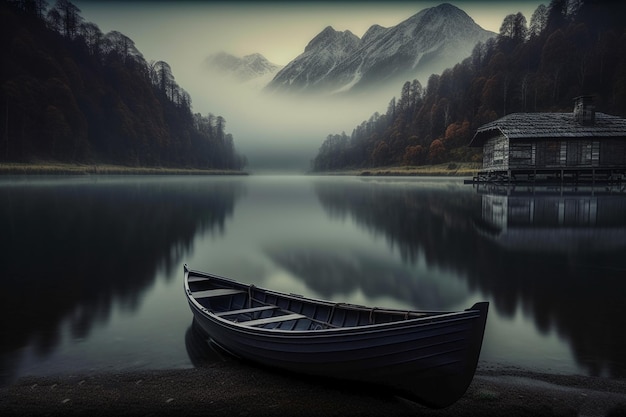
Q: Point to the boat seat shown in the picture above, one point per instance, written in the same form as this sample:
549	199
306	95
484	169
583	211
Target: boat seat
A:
197	279
245	310
274	319
215	293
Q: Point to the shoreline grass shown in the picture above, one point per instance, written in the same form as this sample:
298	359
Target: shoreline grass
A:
58	168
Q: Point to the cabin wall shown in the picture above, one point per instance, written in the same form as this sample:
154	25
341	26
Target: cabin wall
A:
571	153
550	154
501	154
496	154
522	155
612	153
581	153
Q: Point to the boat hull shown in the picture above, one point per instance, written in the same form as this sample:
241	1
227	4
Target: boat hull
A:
430	360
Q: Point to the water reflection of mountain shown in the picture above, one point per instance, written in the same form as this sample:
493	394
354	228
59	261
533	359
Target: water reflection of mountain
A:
71	249
575	288
338	271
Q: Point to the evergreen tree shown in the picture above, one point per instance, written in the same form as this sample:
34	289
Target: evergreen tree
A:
70	93
570	49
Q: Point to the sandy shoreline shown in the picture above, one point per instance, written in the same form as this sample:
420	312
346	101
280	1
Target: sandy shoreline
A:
228	389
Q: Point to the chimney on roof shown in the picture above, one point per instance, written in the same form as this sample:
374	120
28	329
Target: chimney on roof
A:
584	110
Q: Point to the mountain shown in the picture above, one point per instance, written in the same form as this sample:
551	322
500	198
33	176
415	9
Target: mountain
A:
428	42
323	53
512	73
244	69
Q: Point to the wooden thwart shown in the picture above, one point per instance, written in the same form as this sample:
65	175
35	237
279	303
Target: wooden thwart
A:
429	360
197	279
274	319
245	310
215	293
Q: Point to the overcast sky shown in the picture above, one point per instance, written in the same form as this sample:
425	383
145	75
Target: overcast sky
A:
184	33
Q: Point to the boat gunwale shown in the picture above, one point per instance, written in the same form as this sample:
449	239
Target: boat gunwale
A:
429	317
419	374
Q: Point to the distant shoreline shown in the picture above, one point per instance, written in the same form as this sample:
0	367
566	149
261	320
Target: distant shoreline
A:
448	169
59	168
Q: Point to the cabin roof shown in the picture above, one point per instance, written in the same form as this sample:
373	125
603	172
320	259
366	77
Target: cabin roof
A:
549	126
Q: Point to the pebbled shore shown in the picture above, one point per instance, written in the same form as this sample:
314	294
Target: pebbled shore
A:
229	389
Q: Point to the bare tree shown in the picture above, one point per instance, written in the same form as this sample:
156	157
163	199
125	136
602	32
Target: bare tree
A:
514	27
124	47
54	20
93	37
33	7
164	76
69	16
538	21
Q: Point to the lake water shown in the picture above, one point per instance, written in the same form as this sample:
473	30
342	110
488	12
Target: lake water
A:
91	270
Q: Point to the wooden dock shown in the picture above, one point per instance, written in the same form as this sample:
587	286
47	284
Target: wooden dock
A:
551	176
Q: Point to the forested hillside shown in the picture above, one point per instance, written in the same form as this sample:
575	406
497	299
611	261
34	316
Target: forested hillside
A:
567	49
70	93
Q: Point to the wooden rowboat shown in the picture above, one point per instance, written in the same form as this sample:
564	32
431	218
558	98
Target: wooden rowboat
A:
428	357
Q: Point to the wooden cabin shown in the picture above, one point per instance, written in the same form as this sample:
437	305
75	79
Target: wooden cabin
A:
582	146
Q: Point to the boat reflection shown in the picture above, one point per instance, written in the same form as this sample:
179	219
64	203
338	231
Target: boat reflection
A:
202	353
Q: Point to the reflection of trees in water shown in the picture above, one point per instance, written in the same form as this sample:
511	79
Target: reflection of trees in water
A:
562	258
432	222
572	294
71	250
578	292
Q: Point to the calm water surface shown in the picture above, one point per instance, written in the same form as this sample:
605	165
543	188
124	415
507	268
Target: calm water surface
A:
91	270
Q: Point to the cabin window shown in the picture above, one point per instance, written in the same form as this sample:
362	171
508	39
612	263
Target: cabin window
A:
548	153
498	152
521	155
612	152
578	153
487	154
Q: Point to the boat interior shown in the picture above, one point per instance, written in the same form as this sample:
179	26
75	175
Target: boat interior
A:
254	307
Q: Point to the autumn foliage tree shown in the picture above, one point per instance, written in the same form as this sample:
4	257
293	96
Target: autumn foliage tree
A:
569	48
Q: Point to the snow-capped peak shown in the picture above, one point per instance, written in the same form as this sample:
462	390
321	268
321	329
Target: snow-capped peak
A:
243	68
427	42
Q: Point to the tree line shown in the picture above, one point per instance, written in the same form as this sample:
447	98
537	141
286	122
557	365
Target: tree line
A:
69	92
567	49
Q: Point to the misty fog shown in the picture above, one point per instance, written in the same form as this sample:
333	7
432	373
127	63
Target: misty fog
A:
274	132
281	131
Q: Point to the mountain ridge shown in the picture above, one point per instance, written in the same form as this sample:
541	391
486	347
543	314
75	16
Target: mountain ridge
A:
339	62
244	68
